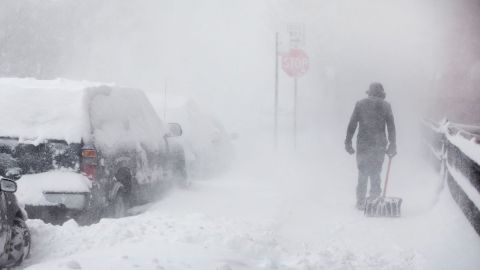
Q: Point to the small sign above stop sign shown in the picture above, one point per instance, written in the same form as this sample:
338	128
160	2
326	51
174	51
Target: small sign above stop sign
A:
295	63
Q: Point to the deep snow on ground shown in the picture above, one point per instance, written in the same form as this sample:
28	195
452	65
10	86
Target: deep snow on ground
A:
292	211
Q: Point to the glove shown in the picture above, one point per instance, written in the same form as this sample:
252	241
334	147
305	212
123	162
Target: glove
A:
391	150
349	148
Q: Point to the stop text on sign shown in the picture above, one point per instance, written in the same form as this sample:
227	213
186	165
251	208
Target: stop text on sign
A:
295	63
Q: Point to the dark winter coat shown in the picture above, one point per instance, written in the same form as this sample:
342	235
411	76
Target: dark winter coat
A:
373	116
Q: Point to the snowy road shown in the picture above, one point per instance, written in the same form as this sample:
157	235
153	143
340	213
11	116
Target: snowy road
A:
266	213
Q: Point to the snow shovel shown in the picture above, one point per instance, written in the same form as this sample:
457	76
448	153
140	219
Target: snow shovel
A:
383	206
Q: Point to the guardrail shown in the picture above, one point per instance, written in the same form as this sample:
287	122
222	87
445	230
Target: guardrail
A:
455	150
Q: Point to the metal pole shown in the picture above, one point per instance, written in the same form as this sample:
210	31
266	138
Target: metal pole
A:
275	127
165	102
295	112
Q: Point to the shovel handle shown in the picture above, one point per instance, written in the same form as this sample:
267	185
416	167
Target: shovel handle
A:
387	176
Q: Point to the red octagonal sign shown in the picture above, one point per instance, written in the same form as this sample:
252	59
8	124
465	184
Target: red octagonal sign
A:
295	63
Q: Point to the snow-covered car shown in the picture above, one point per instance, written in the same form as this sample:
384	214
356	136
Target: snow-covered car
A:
86	149
207	146
14	233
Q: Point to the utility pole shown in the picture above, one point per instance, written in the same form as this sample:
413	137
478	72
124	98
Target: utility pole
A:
275	125
165	101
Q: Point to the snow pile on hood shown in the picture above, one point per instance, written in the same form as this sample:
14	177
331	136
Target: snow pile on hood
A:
31	187
34	110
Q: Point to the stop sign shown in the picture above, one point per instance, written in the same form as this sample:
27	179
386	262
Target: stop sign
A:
295	63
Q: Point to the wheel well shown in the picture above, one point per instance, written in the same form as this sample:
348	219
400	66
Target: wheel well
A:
177	157
124	176
21	214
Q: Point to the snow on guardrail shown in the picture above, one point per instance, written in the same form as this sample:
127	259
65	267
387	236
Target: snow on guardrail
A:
469	147
456	149
466	185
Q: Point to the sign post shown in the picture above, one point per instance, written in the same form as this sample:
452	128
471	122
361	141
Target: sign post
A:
295	63
295	97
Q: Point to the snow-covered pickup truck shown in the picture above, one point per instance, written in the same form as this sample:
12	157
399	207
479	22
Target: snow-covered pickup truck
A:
86	149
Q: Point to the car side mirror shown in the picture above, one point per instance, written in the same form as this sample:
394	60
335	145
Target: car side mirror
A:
8	185
175	130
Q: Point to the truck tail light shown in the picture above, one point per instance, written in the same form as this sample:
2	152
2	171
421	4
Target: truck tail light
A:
89	163
89	153
89	170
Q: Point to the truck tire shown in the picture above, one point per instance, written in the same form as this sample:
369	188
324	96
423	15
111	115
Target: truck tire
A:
119	205
178	167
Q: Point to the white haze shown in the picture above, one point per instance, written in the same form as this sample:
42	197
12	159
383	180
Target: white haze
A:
222	53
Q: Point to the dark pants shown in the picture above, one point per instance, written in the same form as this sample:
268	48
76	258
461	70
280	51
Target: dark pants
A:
369	167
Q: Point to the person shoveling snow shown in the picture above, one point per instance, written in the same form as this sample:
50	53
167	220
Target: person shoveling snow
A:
371	115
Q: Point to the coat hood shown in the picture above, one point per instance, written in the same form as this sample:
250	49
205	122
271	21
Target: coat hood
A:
376	90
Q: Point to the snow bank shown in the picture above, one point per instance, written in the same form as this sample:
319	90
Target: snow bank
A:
32	187
249	220
193	241
273	212
34	110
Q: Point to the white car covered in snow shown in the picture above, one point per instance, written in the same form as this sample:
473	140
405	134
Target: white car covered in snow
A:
206	144
85	149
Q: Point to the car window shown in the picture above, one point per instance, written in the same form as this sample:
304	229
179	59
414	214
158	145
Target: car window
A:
39	158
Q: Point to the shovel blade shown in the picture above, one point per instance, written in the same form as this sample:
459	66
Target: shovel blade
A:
383	207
